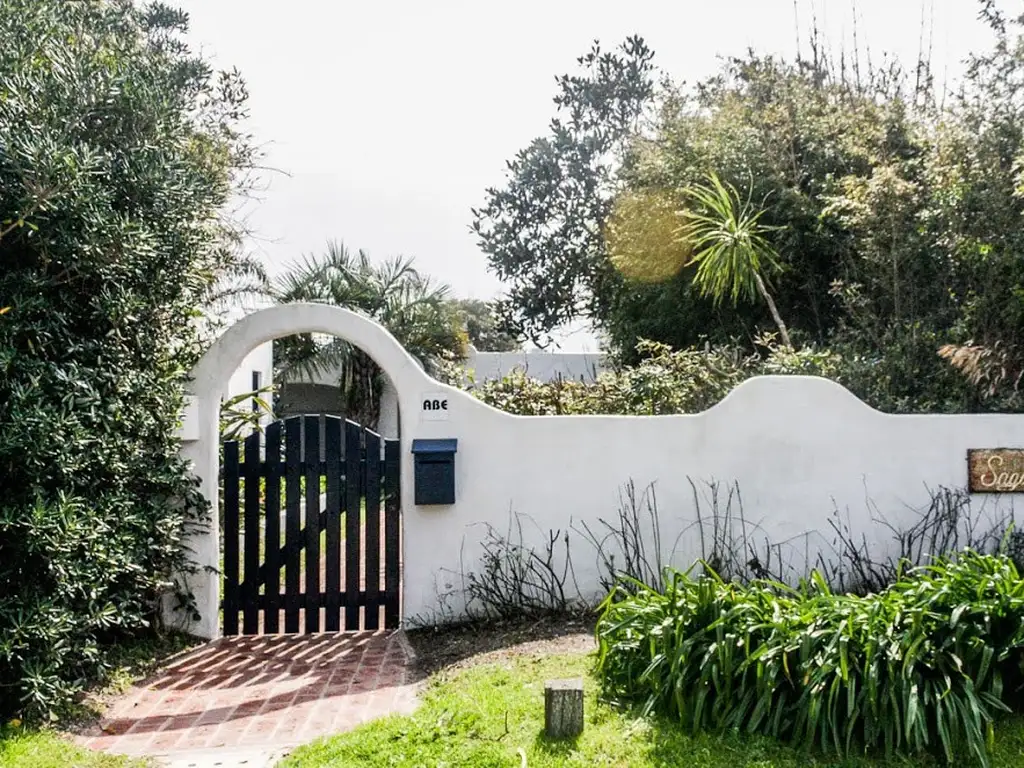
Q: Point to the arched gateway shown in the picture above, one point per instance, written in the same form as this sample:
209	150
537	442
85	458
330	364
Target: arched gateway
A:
200	436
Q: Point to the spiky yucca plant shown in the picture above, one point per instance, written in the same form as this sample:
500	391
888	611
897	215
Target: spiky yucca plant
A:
728	242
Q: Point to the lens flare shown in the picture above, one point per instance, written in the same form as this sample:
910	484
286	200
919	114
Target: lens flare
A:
642	235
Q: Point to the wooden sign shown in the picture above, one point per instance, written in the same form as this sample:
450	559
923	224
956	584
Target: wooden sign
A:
996	470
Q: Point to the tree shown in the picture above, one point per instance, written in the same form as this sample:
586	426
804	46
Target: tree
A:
792	134
482	326
896	214
119	151
416	311
542	232
729	248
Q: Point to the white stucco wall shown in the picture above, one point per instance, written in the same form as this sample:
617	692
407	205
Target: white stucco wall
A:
797	446
199	426
387	424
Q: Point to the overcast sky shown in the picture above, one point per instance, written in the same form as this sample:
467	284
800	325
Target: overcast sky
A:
388	120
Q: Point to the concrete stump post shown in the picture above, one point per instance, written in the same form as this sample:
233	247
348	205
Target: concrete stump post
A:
563	708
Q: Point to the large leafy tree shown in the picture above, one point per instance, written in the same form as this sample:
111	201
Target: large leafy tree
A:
895	211
483	326
787	134
416	310
621	150
542	231
119	150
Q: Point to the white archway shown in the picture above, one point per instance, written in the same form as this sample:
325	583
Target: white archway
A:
200	428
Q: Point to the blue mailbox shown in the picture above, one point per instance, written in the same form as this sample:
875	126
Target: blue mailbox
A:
434	474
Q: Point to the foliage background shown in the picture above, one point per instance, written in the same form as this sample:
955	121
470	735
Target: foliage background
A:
896	212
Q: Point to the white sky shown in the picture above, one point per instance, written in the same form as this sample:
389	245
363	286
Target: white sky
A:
390	119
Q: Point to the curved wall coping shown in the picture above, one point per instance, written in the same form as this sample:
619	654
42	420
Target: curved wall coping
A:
209	377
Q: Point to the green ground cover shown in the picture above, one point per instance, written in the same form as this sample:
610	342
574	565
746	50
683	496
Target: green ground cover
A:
484	716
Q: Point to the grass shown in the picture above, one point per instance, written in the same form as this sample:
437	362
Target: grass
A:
31	748
28	746
482	716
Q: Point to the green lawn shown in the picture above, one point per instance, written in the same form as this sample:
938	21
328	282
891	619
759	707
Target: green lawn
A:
23	746
29	748
462	722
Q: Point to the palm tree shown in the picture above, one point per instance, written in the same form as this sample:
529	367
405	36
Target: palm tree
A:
733	258
415	310
241	284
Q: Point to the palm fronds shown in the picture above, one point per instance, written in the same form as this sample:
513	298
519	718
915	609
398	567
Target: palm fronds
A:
726	235
416	310
734	259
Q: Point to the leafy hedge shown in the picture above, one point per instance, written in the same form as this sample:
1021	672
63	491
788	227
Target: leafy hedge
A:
667	381
924	666
117	150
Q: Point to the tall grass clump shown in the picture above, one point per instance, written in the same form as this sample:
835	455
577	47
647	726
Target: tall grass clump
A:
924	666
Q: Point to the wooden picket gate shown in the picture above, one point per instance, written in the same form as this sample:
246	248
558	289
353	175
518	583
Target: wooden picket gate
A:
319	594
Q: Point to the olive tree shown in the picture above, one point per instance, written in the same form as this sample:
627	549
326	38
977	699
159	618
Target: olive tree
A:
119	150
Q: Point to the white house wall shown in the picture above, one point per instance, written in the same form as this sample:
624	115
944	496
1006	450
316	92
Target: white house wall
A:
260	359
543	366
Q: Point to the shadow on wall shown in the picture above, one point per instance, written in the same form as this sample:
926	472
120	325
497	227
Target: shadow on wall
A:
514	579
299	398
302	398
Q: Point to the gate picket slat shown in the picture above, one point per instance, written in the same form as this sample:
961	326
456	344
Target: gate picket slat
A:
371	615
231	511
392	527
353	497
250	577
332	451
293	544
312	522
273	530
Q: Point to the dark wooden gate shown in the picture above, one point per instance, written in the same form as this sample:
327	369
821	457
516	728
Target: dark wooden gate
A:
340	563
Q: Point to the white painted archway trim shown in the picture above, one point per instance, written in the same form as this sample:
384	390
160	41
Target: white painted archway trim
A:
228	352
200	428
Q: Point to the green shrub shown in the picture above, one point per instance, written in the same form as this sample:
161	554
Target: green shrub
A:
925	665
117	152
666	381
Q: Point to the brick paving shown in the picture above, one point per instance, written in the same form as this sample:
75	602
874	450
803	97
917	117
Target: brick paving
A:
267	691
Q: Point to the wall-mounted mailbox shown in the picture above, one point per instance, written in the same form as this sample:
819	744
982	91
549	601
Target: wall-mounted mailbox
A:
434	470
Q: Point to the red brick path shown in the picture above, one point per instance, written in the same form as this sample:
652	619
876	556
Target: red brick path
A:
270	690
